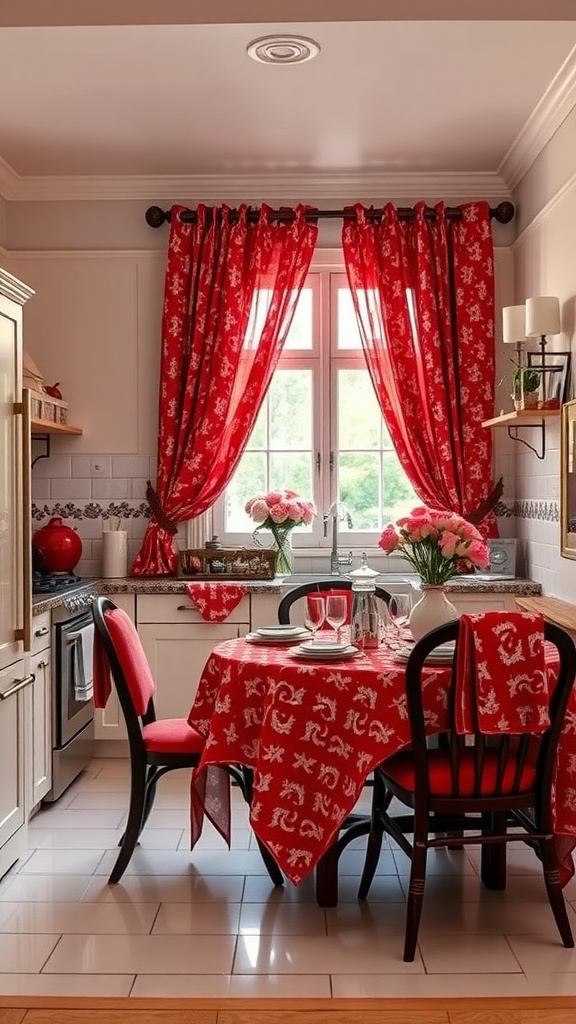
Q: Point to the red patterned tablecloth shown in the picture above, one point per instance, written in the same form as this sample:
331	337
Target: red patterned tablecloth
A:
312	732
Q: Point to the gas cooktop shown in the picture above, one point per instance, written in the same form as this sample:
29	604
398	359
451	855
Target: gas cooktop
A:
55	582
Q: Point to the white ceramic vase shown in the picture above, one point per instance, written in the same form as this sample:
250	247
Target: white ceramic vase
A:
432	610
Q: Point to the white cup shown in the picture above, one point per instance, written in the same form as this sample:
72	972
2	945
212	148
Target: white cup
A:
114	554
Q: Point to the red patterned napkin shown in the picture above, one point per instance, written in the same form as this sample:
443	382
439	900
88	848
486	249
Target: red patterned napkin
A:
500	682
215	601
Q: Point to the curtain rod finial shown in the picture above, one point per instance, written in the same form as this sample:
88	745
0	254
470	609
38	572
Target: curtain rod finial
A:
155	217
504	212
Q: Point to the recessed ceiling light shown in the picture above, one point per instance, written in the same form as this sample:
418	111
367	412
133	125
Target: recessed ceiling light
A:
282	49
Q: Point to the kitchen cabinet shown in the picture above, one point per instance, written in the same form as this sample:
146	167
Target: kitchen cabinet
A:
177	642
39	715
15	569
109	721
486	602
15	681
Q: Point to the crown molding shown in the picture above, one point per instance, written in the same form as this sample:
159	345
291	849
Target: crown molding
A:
547	116
271	187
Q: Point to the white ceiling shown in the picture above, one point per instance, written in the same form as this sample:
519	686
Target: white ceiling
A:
385	97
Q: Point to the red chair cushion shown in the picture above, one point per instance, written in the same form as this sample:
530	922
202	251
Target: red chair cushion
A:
400	769
337	593
172	736
132	658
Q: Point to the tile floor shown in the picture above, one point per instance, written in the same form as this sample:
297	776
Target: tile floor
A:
210	924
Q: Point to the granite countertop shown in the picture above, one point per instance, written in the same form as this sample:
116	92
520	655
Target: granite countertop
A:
170	585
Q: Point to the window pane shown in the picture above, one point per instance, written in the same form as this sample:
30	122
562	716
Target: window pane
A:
300	333
399	495
249	479
359	480
290	398
348	334
260	429
359	416
292	471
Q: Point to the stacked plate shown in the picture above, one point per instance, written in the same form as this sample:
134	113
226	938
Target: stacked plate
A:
442	655
277	635
324	650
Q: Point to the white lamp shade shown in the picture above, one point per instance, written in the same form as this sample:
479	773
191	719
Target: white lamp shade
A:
513	324
542	316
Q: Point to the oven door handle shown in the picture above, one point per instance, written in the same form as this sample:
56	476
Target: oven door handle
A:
18	685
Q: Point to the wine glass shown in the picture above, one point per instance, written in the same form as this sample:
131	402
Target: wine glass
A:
399	609
336	612
315	613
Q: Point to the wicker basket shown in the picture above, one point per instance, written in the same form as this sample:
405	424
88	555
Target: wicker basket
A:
51	410
226	564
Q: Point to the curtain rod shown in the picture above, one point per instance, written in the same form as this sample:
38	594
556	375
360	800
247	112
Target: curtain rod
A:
503	213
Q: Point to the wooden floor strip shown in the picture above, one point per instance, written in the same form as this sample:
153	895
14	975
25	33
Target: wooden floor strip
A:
71	1010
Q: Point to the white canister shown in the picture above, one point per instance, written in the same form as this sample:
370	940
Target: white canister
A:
114	554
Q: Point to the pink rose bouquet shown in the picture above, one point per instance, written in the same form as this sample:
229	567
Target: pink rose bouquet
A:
280	512
437	544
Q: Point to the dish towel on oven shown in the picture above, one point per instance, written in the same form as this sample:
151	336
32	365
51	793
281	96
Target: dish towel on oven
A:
215	601
501	683
83	655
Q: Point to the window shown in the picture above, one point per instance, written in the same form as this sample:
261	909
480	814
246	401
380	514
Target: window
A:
320	431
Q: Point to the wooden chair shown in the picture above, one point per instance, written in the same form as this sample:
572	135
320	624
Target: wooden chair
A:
355	825
474	784
157	746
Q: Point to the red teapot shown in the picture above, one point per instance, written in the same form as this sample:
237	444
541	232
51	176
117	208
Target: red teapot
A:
56	547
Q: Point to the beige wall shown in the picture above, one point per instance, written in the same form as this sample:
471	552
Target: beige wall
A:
544	265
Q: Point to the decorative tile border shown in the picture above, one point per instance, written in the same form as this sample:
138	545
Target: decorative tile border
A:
92	510
534	508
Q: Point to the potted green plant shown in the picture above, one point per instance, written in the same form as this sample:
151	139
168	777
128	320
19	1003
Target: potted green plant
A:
525	387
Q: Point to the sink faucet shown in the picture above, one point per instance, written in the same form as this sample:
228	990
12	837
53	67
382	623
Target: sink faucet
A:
338	512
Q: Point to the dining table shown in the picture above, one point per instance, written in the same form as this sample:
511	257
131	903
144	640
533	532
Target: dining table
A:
310	732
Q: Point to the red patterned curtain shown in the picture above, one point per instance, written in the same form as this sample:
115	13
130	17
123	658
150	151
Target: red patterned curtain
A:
231	289
423	291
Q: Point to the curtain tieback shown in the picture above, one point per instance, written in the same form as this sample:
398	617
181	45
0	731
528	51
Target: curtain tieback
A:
487	505
158	512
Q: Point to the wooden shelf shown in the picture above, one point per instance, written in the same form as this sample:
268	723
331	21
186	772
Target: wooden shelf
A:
561	613
526	417
47	427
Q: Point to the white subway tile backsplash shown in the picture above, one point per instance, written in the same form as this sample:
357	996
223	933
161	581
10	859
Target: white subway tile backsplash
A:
114	488
130	466
56	467
138	492
40	489
61	489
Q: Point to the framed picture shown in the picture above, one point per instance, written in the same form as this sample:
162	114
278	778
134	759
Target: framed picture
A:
554	370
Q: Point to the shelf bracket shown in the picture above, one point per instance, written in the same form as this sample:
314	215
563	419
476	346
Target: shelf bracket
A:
514	436
45	454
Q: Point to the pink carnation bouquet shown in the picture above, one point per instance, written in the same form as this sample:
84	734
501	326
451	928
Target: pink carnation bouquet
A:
280	512
437	544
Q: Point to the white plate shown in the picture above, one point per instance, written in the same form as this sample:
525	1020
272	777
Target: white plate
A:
306	655
275	631
440	655
274	641
324	646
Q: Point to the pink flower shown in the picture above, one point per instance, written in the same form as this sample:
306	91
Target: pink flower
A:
389	539
478	554
280	512
259	510
449	543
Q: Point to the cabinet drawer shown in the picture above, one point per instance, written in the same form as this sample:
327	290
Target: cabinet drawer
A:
41	632
178	608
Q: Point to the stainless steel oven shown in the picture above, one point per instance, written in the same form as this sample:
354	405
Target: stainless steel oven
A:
72	702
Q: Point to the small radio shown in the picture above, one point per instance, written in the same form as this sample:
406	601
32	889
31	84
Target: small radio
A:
502	556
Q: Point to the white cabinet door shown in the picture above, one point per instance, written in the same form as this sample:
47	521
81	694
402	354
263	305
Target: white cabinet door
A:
473	603
39	724
15	681
264	609
109	721
177	654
